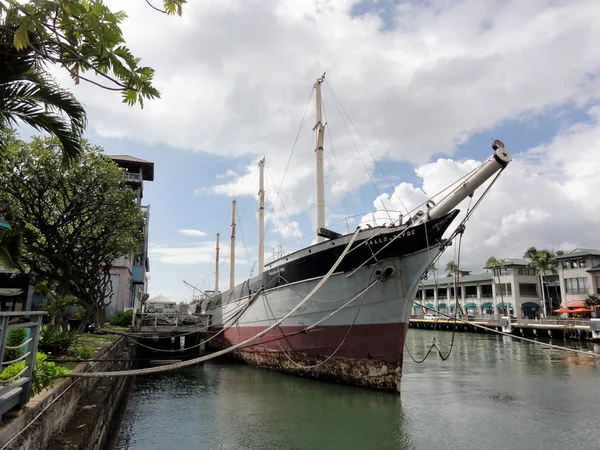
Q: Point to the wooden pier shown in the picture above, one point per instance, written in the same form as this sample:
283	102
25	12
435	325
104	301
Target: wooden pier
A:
549	328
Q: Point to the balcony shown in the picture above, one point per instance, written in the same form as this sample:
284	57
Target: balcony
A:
131	177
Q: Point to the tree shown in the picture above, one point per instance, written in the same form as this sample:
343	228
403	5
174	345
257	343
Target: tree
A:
72	223
82	36
28	94
542	262
592	300
451	268
495	265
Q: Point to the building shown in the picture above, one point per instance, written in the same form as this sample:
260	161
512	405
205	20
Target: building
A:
579	273
513	287
129	272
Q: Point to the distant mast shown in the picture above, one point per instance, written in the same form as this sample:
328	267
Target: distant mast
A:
261	217
217	266
232	258
319	130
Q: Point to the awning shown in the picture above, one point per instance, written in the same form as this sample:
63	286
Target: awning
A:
576	304
418	306
471	305
10	292
442	305
582	310
503	305
430	305
487	305
530	305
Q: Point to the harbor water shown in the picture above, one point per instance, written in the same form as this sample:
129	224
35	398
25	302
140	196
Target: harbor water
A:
493	392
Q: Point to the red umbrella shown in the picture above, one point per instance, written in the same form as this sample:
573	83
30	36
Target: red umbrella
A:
563	310
582	310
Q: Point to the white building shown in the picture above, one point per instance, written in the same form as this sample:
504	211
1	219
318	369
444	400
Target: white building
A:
579	273
513	286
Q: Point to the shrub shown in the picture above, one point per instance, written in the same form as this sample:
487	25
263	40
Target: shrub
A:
43	375
16	337
57	342
12	371
122	318
85	353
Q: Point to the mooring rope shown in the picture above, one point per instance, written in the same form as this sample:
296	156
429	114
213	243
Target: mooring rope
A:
232	348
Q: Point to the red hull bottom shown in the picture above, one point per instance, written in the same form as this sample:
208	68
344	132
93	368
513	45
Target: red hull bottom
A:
370	355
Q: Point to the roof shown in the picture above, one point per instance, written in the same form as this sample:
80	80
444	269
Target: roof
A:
594	269
444	281
160	299
579	252
507	262
131	162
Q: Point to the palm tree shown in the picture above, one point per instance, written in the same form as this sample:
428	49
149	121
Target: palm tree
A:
28	94
542	262
495	265
451	268
592	301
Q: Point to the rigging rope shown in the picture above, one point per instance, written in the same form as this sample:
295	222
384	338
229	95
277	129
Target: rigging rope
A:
360	155
337	172
366	146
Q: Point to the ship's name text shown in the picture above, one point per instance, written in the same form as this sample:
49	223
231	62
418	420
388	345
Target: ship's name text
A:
384	239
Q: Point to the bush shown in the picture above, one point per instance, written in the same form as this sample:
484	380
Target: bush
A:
85	353
57	342
122	318
43	375
16	337
12	371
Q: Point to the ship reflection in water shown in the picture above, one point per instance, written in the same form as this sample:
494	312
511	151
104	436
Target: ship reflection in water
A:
491	393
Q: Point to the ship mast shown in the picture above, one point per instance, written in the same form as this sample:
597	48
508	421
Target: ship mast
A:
319	130
217	266
232	258
261	217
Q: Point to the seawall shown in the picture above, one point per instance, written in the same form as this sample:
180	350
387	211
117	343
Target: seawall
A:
77	413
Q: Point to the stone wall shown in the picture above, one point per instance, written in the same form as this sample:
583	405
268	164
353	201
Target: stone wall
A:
78	413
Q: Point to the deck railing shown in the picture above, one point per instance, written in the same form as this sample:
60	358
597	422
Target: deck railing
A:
16	390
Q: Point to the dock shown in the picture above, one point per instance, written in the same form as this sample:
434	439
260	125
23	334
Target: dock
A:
580	330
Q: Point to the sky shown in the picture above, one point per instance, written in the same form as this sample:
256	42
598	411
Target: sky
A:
415	93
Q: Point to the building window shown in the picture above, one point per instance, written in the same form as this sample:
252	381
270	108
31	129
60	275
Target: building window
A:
597	285
582	263
526	271
504	289
565	265
528	289
576	285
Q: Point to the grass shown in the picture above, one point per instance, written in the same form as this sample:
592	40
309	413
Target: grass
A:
93	342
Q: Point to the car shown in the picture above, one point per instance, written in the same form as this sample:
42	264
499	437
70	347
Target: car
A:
430	317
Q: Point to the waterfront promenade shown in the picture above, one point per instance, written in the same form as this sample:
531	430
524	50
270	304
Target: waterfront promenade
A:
578	329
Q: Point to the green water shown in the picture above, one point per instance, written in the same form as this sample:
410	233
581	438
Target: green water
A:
492	393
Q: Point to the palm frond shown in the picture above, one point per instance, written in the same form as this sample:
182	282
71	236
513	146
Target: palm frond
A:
29	94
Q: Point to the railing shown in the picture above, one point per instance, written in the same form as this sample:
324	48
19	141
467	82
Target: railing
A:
133	177
16	390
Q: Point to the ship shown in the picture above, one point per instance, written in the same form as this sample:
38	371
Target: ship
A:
338	310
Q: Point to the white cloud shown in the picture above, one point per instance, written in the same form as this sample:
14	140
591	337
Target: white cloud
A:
235	77
192	232
547	198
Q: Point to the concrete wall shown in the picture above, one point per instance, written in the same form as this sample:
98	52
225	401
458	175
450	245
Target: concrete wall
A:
78	412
